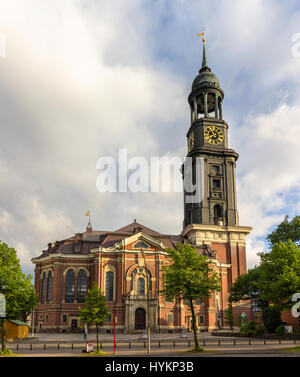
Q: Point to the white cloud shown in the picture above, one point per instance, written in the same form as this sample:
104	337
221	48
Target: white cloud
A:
269	168
84	78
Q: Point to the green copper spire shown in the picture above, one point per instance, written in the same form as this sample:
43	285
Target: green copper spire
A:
204	61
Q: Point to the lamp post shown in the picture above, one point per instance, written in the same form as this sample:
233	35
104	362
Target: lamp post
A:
115	322
32	323
2	316
148	302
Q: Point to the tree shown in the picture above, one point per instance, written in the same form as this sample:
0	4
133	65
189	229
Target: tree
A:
287	230
229	316
280	274
95	310
189	276
273	282
15	285
271	318
248	287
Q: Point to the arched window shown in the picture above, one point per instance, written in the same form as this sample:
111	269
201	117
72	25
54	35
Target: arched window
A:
217	211
44	287
70	286
109	286
49	291
141	286
81	286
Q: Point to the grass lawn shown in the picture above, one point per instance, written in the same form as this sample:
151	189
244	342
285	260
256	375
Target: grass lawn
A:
96	353
192	351
292	349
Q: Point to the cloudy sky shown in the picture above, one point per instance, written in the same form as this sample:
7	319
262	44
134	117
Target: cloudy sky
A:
81	79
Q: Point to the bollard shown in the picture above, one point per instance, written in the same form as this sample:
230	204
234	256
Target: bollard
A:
159	344
58	346
203	342
129	345
249	342
174	343
264	341
219	342
234	342
30	346
44	346
72	346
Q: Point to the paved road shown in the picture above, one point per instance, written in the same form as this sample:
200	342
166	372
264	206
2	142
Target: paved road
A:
73	344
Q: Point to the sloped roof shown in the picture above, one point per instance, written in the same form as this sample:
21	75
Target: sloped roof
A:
17	322
130	228
107	239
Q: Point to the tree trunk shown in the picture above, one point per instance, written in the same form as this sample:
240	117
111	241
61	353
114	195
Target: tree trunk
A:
194	326
97	331
3	334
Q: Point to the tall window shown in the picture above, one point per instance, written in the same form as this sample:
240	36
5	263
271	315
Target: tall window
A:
44	287
70	285
217	211
141	286
82	286
49	292
109	286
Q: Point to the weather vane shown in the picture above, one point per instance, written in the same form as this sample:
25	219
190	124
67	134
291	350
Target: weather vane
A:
202	35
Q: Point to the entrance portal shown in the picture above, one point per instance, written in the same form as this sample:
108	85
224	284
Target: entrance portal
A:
74	325
140	319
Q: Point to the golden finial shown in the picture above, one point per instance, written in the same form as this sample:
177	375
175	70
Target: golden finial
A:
202	35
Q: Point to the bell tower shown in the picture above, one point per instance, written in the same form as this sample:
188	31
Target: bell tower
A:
211	218
207	137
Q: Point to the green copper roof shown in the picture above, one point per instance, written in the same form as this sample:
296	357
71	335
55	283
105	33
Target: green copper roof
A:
205	77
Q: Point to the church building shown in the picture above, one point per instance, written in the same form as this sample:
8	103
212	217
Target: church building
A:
126	263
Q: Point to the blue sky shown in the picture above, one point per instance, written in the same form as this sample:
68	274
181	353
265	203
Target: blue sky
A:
81	79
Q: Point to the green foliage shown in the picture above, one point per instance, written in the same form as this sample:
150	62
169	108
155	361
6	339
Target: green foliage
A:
15	285
280	274
275	280
260	329
229	316
271	318
280	330
287	230
248	287
189	276
249	328
252	328
95	309
6	351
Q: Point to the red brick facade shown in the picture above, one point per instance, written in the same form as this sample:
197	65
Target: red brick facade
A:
119	254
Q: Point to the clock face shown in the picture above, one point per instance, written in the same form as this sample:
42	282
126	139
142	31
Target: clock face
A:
213	135
191	141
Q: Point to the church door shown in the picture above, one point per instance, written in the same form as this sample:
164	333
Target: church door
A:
140	319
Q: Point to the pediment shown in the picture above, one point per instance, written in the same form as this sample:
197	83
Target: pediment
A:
140	241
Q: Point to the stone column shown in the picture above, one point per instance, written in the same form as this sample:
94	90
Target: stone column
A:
195	109
220	110
216	106
205	105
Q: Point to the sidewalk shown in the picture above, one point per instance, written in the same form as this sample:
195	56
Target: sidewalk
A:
170	353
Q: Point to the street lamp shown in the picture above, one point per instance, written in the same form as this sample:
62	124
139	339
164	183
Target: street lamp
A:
148	303
115	322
